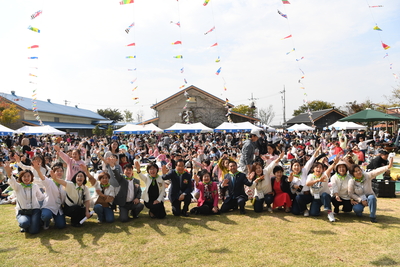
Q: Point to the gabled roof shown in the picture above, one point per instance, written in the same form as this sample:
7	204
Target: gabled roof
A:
244	116
149	121
192	87
46	106
316	115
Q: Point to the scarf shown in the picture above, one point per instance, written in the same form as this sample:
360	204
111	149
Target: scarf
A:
360	180
153	180
104	186
26	185
341	177
128	178
297	175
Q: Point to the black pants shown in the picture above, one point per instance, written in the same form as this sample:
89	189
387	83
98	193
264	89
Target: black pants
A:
347	207
158	210
176	205
77	213
205	209
233	204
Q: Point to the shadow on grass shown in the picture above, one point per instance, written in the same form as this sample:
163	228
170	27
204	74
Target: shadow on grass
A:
8	249
384	221
384	261
46	237
219	250
323	232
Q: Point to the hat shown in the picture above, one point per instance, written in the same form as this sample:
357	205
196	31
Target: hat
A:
341	162
383	152
255	132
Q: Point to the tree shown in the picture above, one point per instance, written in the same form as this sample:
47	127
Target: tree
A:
244	109
109	130
128	116
354	107
313	106
394	99
266	115
111	114
8	113
96	130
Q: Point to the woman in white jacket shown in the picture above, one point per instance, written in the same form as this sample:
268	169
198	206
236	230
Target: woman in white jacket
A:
360	189
153	194
262	184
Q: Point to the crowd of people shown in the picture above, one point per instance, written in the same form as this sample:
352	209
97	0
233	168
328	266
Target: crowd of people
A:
48	177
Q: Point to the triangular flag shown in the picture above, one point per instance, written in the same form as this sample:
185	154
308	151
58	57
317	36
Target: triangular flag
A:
287	37
177	42
385	46
285	2
214	45
376	28
132	44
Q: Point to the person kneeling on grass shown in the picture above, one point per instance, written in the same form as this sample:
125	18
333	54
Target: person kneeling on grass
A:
208	200
340	193
129	194
105	197
180	189
235	196
77	201
55	197
153	194
360	189
28	197
318	183
281	187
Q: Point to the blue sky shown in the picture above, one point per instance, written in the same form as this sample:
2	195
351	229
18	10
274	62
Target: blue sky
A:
83	48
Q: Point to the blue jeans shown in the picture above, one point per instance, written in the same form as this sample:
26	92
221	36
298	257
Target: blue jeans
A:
325	200
59	220
259	203
31	223
104	214
300	203
359	208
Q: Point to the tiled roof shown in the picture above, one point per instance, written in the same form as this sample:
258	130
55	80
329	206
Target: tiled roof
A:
45	106
61	125
303	118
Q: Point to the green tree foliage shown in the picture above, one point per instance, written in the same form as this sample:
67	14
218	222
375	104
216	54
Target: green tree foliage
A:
313	106
109	130
96	130
244	109
111	114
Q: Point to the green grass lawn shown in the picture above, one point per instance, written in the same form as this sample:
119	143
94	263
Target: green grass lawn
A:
231	239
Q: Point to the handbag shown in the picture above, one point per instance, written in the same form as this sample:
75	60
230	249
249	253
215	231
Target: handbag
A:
25	212
102	201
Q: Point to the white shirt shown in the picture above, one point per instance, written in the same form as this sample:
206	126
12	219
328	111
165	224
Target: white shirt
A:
130	196
109	191
76	195
27	198
55	196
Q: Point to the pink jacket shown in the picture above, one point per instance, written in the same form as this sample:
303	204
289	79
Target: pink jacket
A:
214	194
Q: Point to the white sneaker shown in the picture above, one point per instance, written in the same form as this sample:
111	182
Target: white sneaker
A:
331	217
306	213
270	210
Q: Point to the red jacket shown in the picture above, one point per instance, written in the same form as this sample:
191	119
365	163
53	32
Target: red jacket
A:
214	194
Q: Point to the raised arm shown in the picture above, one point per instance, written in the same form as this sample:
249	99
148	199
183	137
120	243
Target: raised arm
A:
36	166
60	181
86	171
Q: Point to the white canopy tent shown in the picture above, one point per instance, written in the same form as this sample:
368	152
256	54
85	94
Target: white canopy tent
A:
188	128
6	131
300	127
231	127
39	130
346	125
138	129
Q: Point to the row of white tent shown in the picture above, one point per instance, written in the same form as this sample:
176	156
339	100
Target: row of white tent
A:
31	130
181	128
187	128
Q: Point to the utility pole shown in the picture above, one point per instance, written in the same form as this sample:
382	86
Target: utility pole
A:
284	104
